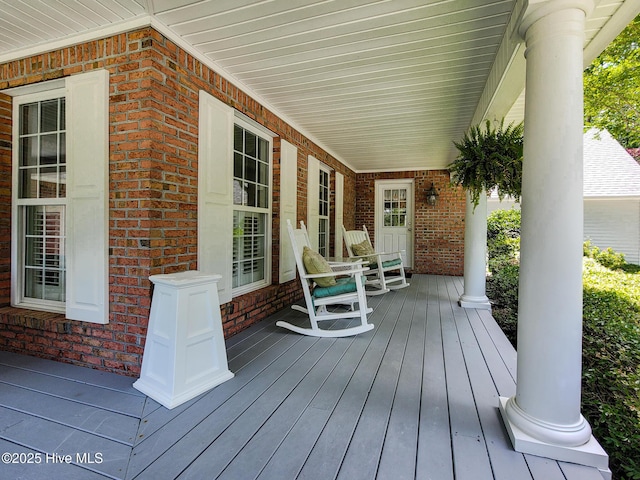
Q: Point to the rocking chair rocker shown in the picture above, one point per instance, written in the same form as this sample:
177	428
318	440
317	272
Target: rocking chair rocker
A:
359	246
321	289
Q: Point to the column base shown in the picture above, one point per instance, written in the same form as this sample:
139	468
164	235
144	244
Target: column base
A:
590	454
469	301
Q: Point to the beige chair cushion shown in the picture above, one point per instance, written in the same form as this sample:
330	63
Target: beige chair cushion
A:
364	248
316	263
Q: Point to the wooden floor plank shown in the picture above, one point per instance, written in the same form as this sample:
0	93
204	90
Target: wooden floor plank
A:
326	457
49	437
471	460
504	347
579	472
262	444
398	459
292	453
104	423
245	367
226	446
96	396
504	460
188	445
435	456
105	380
416	397
28	464
363	455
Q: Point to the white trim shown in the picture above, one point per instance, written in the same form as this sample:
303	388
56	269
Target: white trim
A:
338	208
101	32
379	185
35	88
28	95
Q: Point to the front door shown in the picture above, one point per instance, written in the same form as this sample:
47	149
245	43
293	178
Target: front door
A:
394	218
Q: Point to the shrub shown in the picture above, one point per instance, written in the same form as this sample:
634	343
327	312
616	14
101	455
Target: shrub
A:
503	237
608	257
611	364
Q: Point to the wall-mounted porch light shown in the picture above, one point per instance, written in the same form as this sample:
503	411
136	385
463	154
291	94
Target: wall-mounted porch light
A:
432	195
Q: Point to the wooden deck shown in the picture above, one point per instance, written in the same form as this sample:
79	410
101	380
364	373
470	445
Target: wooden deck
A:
416	397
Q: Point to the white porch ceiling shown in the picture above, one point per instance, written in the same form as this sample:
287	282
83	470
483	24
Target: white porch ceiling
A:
380	84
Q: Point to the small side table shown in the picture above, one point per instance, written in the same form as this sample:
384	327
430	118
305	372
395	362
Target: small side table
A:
184	353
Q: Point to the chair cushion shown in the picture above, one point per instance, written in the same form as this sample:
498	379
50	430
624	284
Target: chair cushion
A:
315	263
343	285
364	248
392	263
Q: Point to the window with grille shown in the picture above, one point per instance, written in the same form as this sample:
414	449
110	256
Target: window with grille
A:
323	213
395	207
41	201
252	208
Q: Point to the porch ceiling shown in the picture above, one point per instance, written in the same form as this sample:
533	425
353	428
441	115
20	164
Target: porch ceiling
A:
380	84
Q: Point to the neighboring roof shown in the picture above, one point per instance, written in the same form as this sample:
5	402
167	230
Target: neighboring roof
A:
609	170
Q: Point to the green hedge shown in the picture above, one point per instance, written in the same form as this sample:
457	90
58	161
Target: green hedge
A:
611	337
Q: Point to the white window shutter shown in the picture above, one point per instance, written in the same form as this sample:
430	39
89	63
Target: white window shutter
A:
339	209
215	200
313	193
87	227
288	202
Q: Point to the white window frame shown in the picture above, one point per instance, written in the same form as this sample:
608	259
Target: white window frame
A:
18	209
324	170
258	130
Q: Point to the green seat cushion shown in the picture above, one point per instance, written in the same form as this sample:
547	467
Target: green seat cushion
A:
316	263
343	285
364	248
391	263
387	264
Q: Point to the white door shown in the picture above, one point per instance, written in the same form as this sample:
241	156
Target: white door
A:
394	217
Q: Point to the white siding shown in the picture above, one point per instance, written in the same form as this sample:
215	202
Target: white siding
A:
614	223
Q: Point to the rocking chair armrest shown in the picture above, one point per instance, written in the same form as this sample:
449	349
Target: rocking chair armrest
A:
362	257
342	265
333	273
399	252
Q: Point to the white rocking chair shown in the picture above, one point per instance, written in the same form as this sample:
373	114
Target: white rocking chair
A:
359	246
346	291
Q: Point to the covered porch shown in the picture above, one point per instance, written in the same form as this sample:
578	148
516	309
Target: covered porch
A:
416	397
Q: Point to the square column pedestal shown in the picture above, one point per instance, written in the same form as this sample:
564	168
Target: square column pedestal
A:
184	353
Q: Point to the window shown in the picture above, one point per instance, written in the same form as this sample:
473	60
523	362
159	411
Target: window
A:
251	208
59	204
40	159
323	213
395	207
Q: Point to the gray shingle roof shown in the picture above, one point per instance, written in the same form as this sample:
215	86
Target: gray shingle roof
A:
609	170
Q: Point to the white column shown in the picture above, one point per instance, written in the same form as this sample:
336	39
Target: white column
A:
544	416
475	254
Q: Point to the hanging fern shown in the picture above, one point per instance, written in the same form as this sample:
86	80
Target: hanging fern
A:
490	158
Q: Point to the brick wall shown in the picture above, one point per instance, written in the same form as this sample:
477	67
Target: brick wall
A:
153	194
438	230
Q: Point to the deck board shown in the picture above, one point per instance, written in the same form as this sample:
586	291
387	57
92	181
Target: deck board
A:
326	458
416	397
470	454
398	459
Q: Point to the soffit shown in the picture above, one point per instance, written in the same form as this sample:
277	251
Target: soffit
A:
380	84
